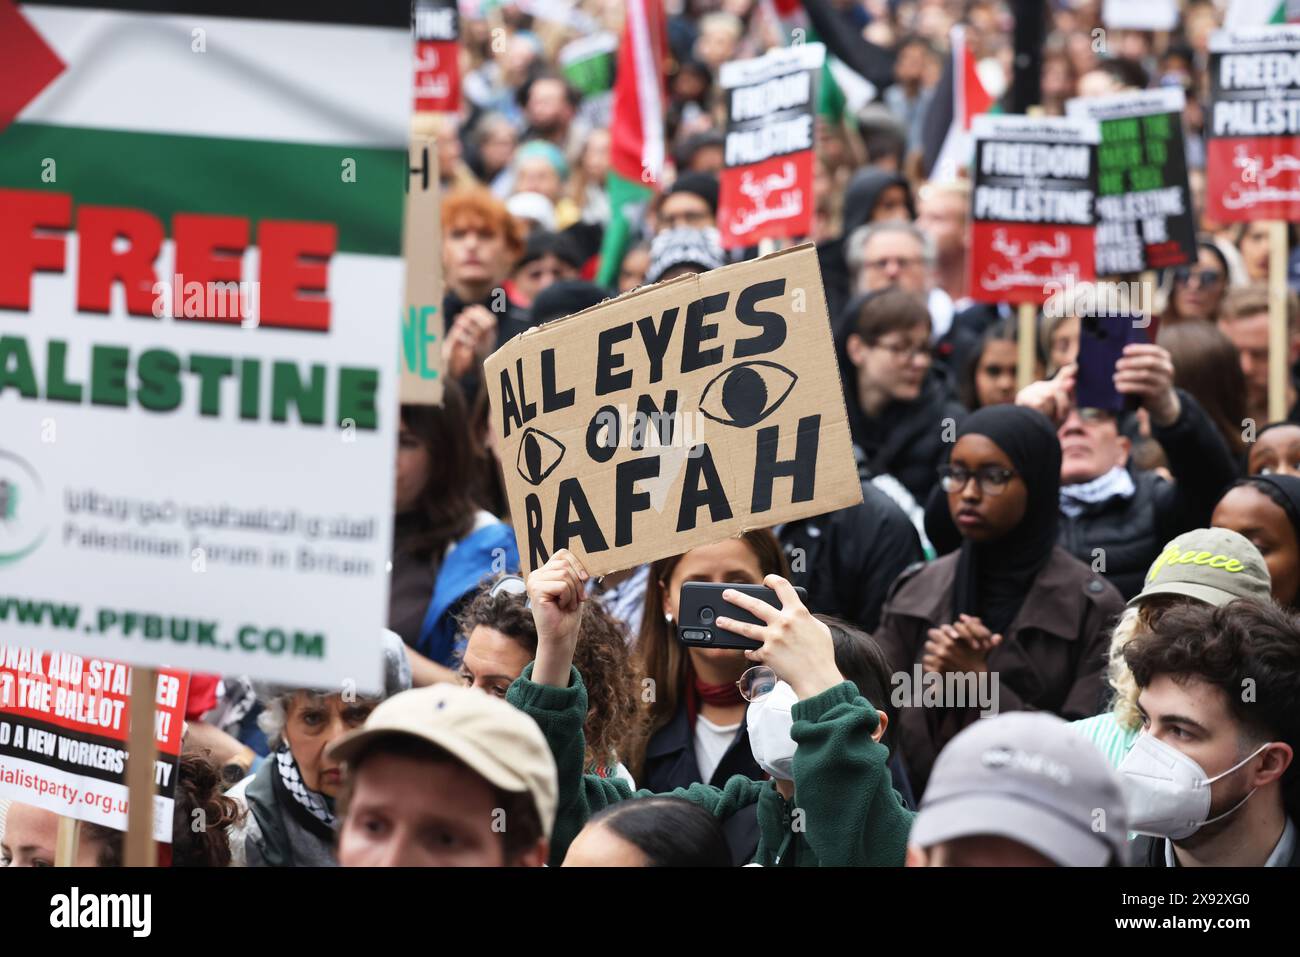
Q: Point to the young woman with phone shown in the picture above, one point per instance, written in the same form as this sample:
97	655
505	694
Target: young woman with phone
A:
816	733
695	719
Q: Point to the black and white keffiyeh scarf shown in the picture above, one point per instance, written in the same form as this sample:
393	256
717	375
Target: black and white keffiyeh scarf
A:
317	805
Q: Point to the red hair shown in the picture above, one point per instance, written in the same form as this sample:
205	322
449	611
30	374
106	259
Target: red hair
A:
476	208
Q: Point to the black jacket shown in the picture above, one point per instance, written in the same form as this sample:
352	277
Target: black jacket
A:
860	198
907	439
670	763
1131	532
847	559
511	320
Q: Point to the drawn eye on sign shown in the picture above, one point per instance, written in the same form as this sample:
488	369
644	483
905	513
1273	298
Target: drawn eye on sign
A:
539	454
746	393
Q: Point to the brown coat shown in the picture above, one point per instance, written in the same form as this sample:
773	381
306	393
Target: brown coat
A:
1053	659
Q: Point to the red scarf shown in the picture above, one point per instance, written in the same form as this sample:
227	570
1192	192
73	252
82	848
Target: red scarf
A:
699	692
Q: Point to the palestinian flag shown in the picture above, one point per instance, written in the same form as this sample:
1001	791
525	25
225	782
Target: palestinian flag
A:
636	129
945	134
1261	13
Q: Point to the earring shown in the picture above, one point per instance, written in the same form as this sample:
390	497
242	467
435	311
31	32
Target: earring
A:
668	618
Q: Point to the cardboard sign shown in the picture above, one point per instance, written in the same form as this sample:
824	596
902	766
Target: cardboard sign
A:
437	56
1253	130
676	415
1144	205
64	722
197	345
766	189
1035	180
422	248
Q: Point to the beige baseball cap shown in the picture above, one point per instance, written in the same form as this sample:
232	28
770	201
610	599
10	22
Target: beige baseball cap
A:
1214	565
495	740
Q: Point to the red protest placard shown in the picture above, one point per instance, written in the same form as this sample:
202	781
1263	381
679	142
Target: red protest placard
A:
1253	130
64	721
437	57
766	189
1035	183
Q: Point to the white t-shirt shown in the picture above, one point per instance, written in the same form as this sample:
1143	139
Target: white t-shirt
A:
711	743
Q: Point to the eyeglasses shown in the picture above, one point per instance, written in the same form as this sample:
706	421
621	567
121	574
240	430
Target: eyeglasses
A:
509	585
902	352
757	682
904	262
1204	277
1096	416
992	479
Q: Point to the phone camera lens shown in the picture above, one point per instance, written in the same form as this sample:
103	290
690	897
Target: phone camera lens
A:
706	615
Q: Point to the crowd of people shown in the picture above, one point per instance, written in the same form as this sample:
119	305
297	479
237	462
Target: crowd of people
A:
1048	635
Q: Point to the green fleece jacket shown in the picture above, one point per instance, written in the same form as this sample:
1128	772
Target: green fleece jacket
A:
846	812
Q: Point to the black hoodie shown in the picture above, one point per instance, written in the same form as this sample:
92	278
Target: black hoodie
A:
860	199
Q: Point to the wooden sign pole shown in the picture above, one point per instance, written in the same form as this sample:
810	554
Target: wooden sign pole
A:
1026	344
65	846
1278	331
422	318
142	751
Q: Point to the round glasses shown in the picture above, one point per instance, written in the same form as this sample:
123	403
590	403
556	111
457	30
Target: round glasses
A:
757	682
992	479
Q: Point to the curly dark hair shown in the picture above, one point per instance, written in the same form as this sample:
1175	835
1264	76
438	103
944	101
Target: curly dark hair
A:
445	512
199	788
1224	647
602	658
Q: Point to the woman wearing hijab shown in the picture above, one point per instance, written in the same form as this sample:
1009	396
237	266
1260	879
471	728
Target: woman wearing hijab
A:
1266	510
1009	603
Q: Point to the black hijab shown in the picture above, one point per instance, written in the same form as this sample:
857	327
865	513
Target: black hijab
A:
993	578
1285	491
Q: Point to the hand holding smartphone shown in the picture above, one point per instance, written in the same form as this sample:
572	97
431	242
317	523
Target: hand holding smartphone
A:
700	604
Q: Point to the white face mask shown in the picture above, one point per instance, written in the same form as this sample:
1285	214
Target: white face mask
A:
1168	793
769	721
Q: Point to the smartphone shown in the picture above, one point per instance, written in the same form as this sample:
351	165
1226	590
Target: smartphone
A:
1101	343
700	605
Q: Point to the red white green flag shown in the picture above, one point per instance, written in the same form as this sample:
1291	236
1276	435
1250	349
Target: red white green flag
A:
636	128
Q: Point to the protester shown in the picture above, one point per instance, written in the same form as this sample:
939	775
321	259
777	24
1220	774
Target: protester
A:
1195	292
1209	565
1211	782
1276	450
810	729
1114	516
898	408
548	258
943	214
445	777
861	205
1011	605
443	544
501	639
288	808
653	832
30	837
1020	790
690	203
1244	320
480	243
695	720
1266	510
990	374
